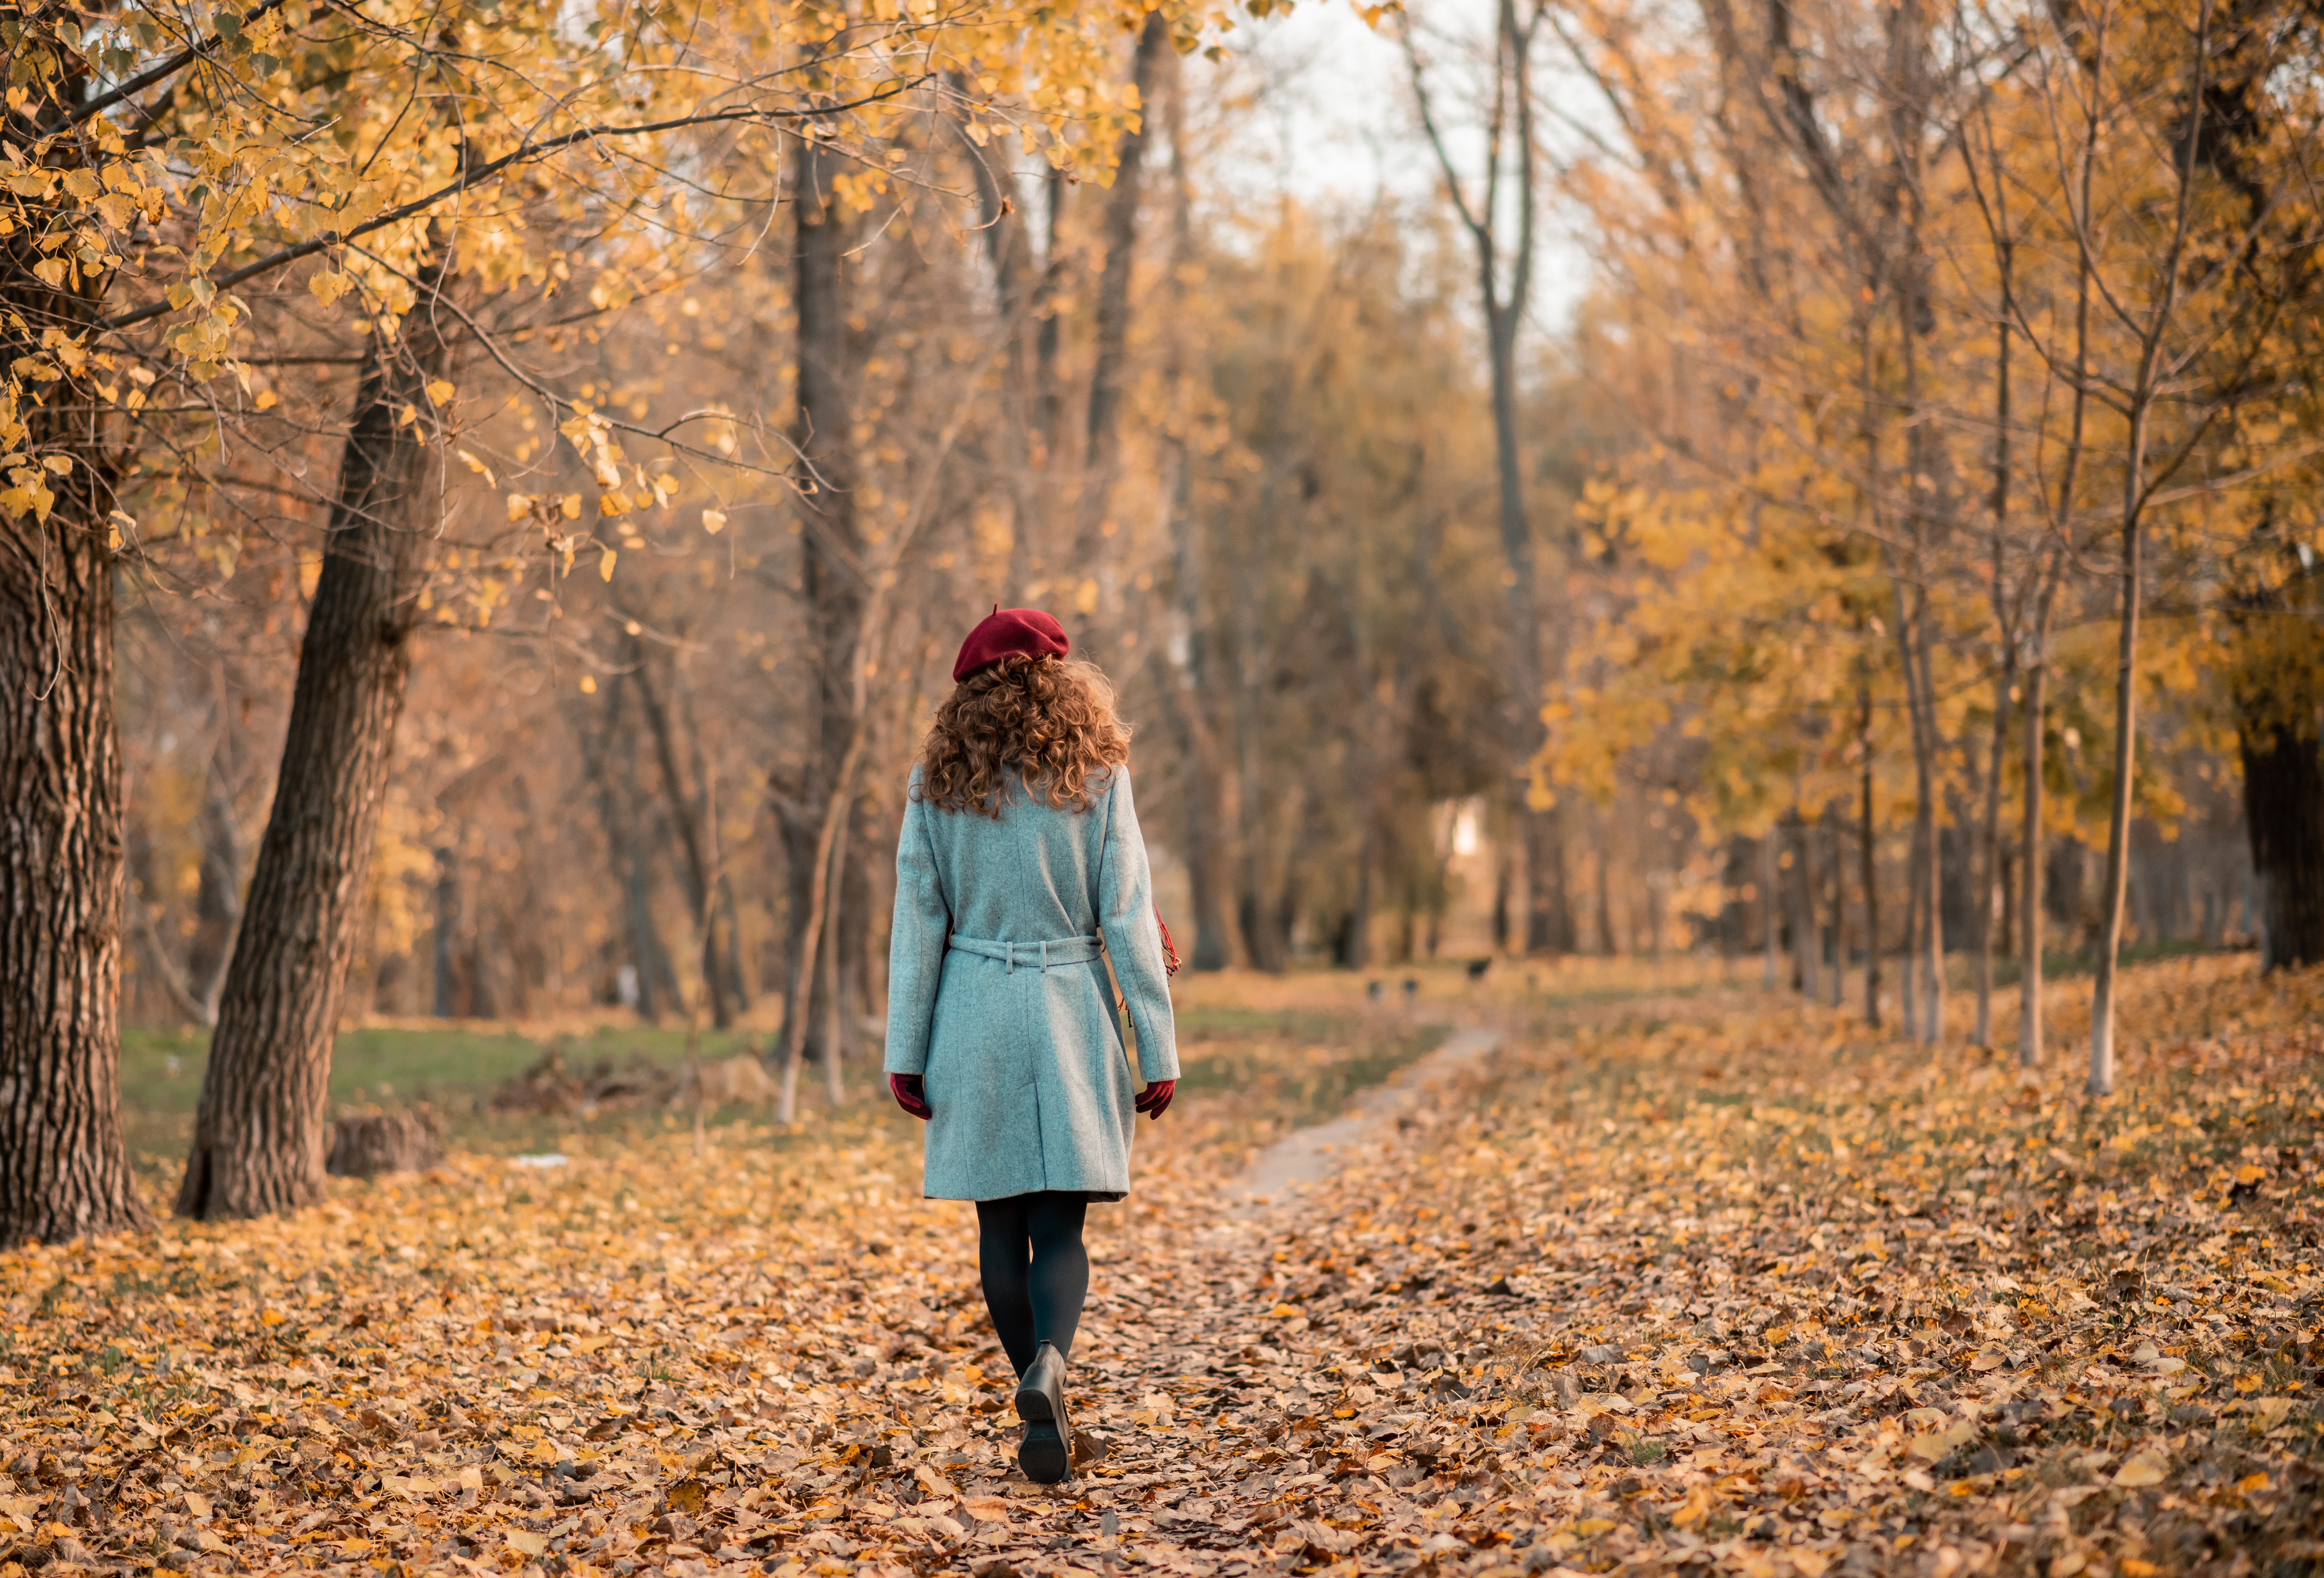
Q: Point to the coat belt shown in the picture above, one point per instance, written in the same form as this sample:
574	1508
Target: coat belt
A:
1043	954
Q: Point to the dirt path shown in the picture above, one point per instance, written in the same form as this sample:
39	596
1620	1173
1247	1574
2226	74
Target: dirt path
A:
1308	1156
1241	1434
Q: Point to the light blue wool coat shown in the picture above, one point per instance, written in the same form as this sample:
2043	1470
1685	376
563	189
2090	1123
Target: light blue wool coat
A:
1018	1041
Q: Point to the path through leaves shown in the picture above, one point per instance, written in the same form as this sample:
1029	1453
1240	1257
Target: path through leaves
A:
1703	1283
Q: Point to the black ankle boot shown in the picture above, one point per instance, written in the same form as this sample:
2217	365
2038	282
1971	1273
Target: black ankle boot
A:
1043	1455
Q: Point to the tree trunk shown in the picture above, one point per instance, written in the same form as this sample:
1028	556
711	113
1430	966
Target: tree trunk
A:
1009	249
1770	973
1907	950
64	1173
260	1134
1111	327
1988	846
1807	943
625	858
2126	760
1605	899
689	811
835	983
217	901
833	588
1839	907
450	1002
2029	850
2279	696
1989	837
1207	837
1866	864
2283	810
1925	744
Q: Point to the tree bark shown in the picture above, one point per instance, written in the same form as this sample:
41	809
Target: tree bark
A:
64	1173
1867	863
2279	699
1809	943
2005	681
1839	906
2126	757
1118	231
831	576
1769	925
260	1134
625	858
2029	850
2283	810
1207	835
1008	249
689	809
217	901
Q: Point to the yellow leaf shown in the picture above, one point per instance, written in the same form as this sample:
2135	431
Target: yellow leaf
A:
2250	1175
571	506
2252	1483
51	271
266	400
2248	1383
605	564
481	469
440	389
519	507
272	1318
713	521
1589	1525
60	464
328	287
528	1542
1811	1563
588	685
2143	1468
987	1508
590	1344
1281	1312
197	1505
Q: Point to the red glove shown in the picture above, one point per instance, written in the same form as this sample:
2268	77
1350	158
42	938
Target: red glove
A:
911	1094
1155	1099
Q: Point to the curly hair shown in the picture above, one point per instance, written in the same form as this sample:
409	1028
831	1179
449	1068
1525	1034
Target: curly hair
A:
1051	719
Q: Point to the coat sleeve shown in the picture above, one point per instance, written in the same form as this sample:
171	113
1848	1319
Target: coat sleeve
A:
1133	939
915	944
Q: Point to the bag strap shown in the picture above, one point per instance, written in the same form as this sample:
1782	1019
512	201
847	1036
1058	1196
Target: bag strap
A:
1121	1004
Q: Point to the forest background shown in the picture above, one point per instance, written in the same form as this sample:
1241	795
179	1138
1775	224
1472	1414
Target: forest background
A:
494	492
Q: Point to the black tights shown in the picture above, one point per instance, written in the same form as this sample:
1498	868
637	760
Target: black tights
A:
1039	1302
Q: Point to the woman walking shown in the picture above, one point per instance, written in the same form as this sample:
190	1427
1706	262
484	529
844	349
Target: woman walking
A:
1020	872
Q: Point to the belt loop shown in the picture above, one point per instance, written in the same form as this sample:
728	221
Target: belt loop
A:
1044	956
1012	957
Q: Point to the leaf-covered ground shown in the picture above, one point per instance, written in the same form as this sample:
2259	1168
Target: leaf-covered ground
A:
1706	1282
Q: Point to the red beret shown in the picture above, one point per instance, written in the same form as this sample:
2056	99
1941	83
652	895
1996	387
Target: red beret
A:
1009	632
